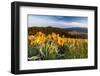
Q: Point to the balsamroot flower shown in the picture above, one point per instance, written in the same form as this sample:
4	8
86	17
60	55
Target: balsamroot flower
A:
61	41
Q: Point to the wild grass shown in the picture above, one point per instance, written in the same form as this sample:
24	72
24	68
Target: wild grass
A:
53	46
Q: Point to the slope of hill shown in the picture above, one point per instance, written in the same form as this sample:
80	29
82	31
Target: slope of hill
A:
68	32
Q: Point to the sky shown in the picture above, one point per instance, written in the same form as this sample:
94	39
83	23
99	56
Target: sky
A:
57	21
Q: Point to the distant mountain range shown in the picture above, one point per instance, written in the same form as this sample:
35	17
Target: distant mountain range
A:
74	32
77	29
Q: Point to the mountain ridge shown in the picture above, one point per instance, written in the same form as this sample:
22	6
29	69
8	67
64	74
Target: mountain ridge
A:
69	33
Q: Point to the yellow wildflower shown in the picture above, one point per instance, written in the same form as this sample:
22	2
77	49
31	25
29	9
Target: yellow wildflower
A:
61	41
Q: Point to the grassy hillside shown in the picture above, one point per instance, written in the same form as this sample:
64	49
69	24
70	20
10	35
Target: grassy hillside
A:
61	32
53	46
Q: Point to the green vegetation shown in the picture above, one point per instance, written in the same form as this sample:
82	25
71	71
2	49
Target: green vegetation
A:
53	46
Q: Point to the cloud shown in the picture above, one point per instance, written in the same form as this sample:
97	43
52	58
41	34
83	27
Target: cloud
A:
45	22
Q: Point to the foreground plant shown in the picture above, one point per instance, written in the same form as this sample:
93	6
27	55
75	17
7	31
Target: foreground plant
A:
54	46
